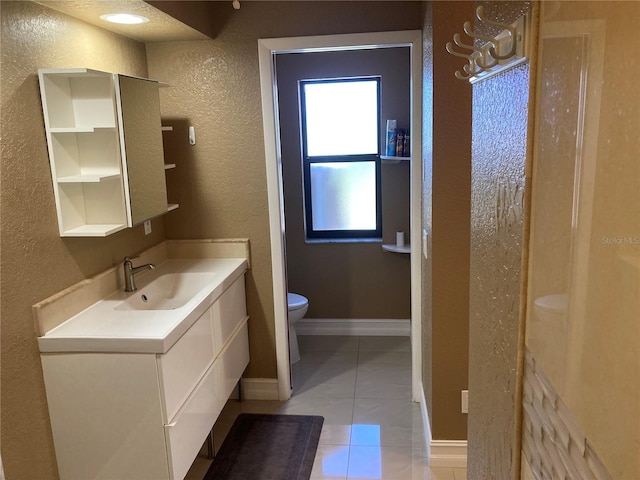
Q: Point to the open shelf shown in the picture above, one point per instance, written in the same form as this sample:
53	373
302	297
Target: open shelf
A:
89	177
172	206
387	159
98	230
169	166
397	249
83	129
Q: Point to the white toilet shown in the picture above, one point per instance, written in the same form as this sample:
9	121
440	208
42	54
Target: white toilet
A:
297	306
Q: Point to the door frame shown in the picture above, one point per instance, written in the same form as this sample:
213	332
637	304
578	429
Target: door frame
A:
267	50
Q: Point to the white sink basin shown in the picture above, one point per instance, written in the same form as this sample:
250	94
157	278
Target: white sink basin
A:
167	292
168	301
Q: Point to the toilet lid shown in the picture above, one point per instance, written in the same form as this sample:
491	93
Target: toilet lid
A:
296	301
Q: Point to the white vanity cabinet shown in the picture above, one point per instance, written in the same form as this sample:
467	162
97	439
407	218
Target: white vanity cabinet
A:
144	415
105	149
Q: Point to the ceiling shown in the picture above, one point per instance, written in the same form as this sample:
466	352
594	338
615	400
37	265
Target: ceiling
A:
161	26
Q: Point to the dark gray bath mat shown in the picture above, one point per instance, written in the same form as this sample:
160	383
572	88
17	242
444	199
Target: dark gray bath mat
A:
268	447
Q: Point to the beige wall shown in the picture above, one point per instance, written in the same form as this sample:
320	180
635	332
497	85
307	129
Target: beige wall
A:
585	244
500	127
36	262
220	182
446	200
347	280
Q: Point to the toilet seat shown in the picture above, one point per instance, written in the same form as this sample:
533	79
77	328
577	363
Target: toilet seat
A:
296	302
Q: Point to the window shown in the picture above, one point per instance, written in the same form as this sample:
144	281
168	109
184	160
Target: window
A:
341	158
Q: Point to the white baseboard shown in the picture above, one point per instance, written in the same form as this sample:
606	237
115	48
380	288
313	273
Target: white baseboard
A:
260	388
448	453
354	326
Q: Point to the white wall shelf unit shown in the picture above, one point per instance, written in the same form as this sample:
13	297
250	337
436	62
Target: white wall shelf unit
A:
89	158
80	120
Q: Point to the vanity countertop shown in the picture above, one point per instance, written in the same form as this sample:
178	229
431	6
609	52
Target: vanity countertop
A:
108	327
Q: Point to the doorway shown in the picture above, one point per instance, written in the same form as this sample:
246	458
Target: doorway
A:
268	49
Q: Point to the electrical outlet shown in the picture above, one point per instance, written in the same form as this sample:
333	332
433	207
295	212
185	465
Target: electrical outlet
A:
465	401
147	227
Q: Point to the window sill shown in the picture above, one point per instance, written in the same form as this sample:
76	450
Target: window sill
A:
343	240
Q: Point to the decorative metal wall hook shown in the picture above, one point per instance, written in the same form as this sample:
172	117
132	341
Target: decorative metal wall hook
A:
458	41
476	36
505	50
471	69
449	48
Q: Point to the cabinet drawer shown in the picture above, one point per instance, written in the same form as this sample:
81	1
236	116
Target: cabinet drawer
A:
227	313
195	419
232	362
192	424
184	364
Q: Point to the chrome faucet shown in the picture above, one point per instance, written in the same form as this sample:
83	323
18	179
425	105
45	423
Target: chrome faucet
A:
130	272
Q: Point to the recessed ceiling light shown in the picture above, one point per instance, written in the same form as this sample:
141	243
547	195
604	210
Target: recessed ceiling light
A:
124	18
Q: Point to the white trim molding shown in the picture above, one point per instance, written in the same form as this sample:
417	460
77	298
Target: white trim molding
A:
260	388
267	50
354	326
448	453
441	453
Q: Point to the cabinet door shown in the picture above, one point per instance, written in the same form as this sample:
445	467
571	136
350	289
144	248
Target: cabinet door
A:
106	415
142	150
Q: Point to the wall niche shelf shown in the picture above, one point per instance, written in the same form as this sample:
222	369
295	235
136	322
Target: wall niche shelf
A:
387	159
396	249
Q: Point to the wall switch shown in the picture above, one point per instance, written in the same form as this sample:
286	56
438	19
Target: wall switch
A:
465	401
147	227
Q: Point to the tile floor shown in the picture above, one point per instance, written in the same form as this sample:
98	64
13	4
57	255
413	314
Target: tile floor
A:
362	387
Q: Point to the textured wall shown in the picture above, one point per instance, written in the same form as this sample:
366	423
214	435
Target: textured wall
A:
500	116
446	199
585	243
451	192
347	280
215	85
36	262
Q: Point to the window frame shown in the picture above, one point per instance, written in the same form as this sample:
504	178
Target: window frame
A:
311	234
